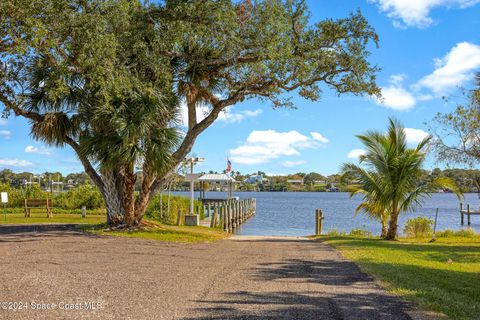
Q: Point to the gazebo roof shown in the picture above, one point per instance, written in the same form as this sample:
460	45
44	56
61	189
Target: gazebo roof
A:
216	177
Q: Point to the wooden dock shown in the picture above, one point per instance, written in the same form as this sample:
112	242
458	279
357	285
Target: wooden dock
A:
228	214
468	213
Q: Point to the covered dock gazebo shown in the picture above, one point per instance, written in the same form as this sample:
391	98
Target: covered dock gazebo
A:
219	178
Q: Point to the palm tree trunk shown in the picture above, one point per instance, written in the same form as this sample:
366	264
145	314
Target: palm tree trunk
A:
112	197
128	197
384	229
393	226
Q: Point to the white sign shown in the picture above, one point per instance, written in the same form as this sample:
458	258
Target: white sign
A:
4	197
192	177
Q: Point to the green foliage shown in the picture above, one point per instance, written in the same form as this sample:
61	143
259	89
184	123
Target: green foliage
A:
457	132
336	233
87	195
418	227
176	203
390	176
71	201
465	233
359	232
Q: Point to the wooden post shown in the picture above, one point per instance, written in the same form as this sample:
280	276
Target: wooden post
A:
318	222
84	212
461	213
207	214
179	217
213	222
468	214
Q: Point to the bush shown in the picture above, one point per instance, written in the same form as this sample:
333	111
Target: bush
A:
336	233
86	195
360	233
418	227
466	233
176	203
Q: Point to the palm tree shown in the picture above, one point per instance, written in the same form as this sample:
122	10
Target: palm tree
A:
367	184
390	175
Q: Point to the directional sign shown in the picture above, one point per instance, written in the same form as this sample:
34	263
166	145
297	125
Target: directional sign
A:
4	197
192	177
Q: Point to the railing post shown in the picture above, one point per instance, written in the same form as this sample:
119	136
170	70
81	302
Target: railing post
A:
468	214
461	213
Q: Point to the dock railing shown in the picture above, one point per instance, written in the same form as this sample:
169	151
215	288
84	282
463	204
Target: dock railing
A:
230	214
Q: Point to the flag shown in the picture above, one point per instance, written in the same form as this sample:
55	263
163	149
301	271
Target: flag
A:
229	166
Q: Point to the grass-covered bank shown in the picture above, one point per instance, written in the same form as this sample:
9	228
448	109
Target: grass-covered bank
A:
161	232
36	218
96	224
443	276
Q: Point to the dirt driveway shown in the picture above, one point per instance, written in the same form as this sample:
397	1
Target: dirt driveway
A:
58	273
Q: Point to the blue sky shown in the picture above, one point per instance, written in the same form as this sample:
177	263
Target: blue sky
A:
427	49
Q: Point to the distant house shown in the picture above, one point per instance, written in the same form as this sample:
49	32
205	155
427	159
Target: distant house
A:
255	179
295	181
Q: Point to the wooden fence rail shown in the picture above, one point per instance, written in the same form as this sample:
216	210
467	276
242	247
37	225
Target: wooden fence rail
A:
230	214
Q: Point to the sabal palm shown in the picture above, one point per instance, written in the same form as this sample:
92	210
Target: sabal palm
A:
136	127
390	174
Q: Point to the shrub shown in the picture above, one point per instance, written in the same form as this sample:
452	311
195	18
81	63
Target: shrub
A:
466	233
360	233
86	195
176	203
418	227
335	233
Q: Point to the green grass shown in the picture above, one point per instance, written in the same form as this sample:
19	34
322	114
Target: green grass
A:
443	276
19	218
165	233
96	224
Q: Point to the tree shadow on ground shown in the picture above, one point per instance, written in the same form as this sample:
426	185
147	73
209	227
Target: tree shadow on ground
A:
28	233
330	289
288	305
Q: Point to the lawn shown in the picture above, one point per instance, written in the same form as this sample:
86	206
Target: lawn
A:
96	224
19	218
443	276
165	233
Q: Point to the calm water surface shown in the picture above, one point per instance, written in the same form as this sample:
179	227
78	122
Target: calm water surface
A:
293	213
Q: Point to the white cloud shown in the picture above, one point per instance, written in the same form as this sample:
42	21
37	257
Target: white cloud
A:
263	146
290	164
355	153
457	67
415	136
319	137
32	149
3	121
15	163
229	115
395	96
5	134
416	13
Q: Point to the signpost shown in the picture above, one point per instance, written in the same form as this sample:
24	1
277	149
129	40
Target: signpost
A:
4	199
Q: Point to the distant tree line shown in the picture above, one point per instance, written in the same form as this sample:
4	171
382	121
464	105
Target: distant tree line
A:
466	179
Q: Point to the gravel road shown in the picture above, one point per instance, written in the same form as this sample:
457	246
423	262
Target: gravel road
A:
59	273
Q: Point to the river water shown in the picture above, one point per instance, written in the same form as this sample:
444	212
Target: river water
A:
293	213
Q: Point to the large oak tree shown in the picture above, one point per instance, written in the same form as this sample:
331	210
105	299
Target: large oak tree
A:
108	77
